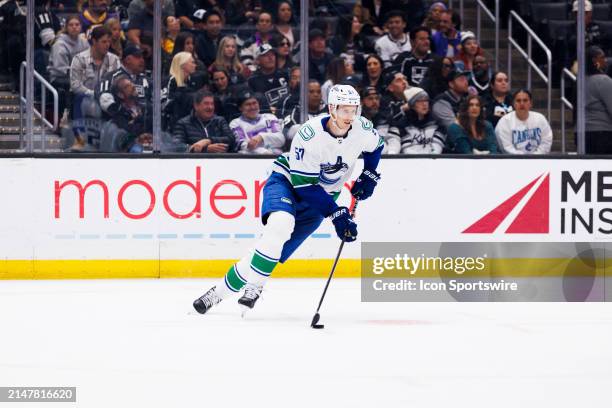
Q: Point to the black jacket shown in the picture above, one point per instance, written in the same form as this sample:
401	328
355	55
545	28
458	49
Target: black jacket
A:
190	130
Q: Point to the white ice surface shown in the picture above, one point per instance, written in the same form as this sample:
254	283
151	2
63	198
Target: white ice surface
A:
138	343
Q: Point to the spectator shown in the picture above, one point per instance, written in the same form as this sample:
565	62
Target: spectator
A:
432	21
416	11
202	131
136	6
373	14
394	99
446	105
498	100
13	39
594	35
95	14
480	80
283	53
373	73
240	12
470	49
225	100
471	133
370	99
118	41
185	9
319	57
69	43
523	131
208	34
336	71
141	22
268	80
436	78
172	28
146	45
130	125
293	99
389	46
598	104
227	59
446	41
284	23
86	71
352	41
181	87
256	133
292	122
414	65
263	35
46	25
417	130
132	67
185	42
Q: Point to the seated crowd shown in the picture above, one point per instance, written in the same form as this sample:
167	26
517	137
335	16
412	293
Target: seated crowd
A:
231	76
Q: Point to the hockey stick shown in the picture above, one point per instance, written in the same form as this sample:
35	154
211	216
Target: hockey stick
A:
317	316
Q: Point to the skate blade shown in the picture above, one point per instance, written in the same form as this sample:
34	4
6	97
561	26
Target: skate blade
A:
243	311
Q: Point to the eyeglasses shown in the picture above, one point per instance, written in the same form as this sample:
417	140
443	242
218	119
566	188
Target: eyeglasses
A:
284	43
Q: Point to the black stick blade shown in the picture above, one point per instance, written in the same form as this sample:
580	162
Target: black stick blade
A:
315	320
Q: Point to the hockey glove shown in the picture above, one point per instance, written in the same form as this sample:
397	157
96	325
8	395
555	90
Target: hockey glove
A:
365	184
346	228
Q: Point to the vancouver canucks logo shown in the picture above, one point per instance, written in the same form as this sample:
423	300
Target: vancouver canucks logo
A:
332	173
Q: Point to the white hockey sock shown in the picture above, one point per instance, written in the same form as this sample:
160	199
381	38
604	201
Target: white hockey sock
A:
257	266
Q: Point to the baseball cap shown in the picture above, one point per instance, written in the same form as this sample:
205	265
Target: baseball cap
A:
263	49
369	91
242	98
588	6
199	15
389	76
314	33
456	73
132	50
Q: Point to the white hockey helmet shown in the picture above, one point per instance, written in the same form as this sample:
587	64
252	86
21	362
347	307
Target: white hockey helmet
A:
344	95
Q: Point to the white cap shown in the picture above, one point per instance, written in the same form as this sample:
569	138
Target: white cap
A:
588	6
466	35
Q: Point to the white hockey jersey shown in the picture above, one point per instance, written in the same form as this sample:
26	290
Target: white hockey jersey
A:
317	157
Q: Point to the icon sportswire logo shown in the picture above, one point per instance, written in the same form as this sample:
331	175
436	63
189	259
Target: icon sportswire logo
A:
526	211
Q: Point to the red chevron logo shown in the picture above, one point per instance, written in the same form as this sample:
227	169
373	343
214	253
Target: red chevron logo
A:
533	212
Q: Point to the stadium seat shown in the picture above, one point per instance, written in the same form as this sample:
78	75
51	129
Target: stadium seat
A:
606	27
558	29
544	12
601	11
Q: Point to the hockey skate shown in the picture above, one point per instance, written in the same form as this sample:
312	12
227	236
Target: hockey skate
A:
248	300
206	301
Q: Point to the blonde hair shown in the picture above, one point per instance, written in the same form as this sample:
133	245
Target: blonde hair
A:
176	69
115	43
220	61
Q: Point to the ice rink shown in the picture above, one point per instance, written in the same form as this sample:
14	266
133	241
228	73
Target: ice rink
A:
138	343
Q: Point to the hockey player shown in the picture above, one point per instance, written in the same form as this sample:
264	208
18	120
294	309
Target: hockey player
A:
301	192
